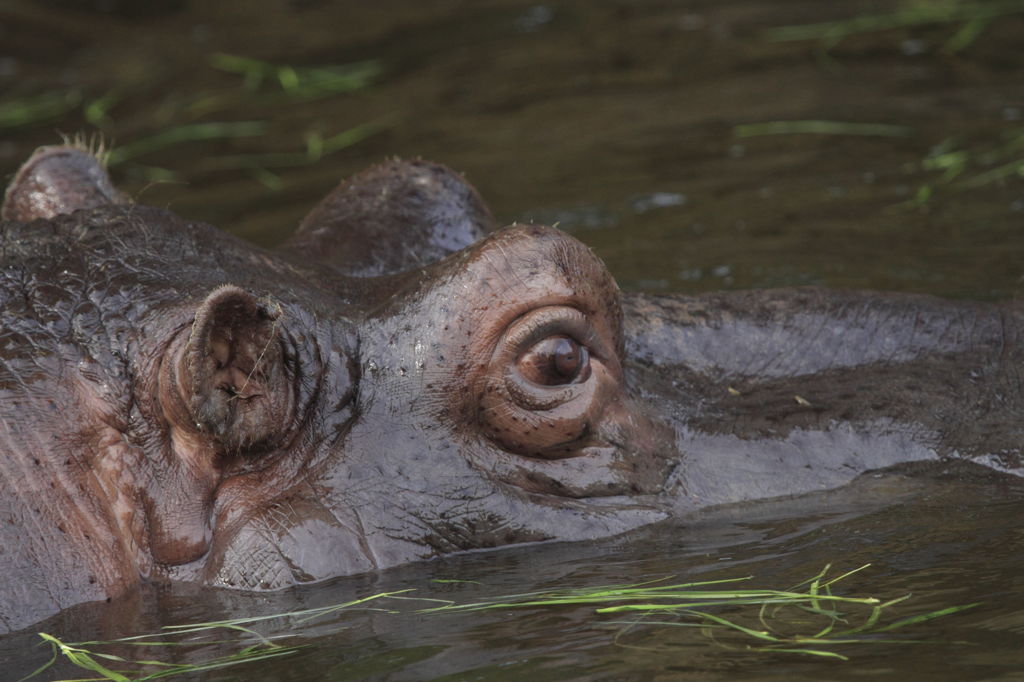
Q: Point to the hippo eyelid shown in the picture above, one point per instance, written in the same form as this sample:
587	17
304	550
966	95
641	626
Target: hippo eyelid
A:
557	320
539	398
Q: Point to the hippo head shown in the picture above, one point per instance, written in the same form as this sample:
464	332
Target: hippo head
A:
397	381
489	407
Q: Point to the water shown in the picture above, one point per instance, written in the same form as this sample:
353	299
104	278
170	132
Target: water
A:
617	120
947	542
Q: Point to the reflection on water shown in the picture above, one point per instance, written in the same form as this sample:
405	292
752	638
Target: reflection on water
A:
615	120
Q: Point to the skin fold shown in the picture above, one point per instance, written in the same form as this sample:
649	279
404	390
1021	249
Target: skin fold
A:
401	380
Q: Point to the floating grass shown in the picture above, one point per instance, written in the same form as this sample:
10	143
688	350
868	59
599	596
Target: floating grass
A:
292	83
252	646
959	168
37	109
1001	172
302	82
975	17
186	133
962	168
97	111
91	660
820	128
316	148
807	619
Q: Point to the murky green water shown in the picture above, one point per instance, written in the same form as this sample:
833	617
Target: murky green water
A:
618	121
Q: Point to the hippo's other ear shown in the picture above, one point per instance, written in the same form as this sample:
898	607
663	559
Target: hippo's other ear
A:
235	381
393	217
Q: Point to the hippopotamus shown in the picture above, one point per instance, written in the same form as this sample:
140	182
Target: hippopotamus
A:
400	380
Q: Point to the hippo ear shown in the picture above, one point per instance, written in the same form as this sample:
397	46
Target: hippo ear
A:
393	217
235	380
57	180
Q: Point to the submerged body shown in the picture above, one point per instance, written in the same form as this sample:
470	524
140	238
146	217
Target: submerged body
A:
399	381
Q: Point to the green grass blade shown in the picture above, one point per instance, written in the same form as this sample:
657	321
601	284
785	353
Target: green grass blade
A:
192	132
37	109
968	33
845	575
936	12
97	111
300	82
82	659
756	634
808	652
44	666
914	620
1006	170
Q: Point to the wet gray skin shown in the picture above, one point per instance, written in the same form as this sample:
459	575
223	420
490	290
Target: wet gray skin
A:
400	380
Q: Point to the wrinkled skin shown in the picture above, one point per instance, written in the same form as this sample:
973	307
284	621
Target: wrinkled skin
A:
399	380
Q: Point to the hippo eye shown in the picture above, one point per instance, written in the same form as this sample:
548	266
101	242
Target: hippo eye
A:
555	361
546	358
548	381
